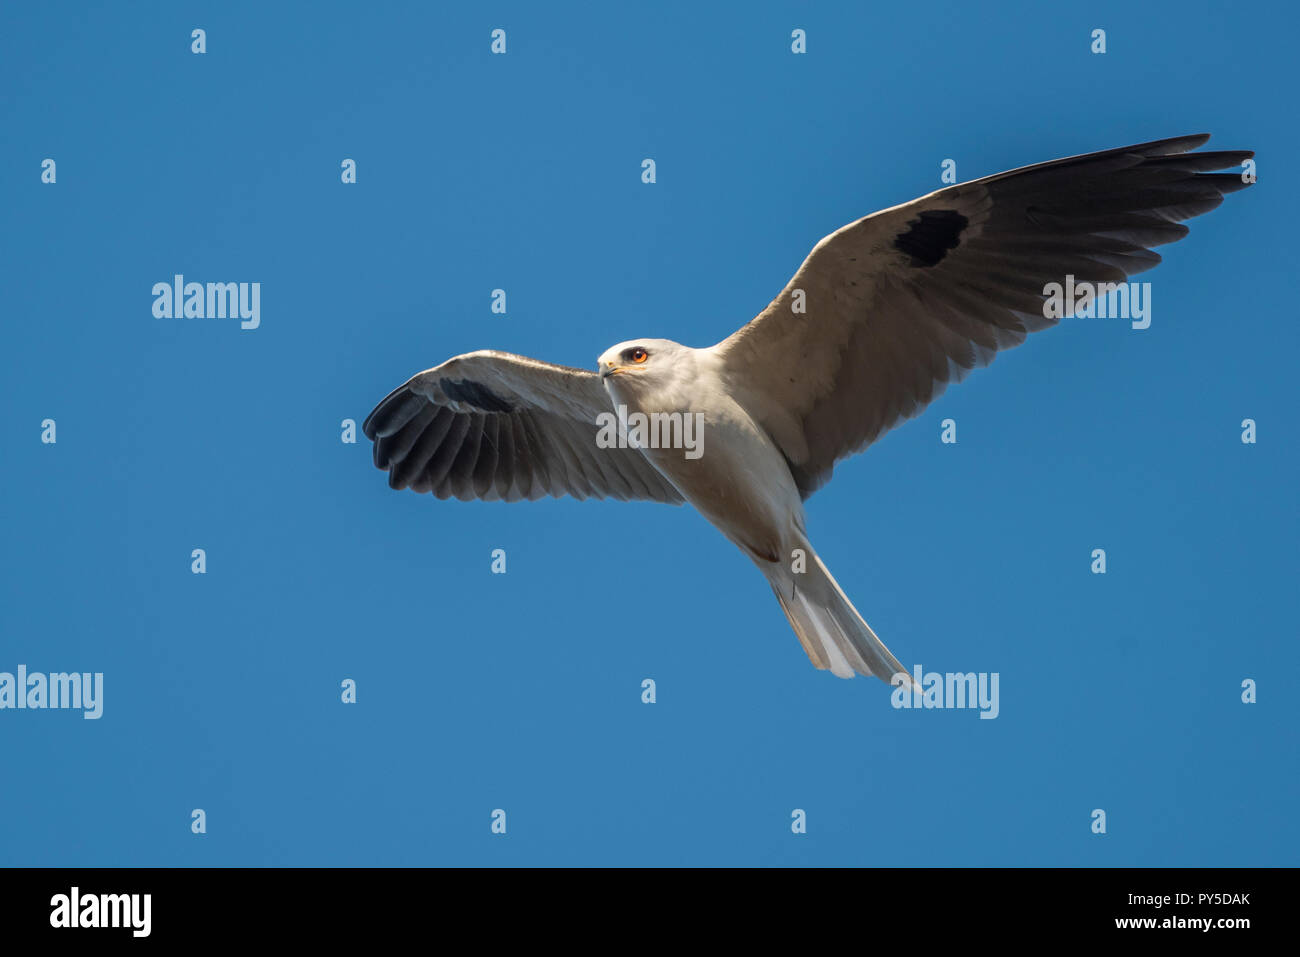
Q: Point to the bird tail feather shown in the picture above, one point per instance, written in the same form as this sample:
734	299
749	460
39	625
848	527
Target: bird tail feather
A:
830	629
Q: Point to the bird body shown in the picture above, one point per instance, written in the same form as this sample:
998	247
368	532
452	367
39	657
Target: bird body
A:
740	484
879	318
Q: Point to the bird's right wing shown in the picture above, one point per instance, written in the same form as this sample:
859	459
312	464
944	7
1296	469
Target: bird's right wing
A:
496	426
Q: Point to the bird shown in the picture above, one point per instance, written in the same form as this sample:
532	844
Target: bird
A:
880	317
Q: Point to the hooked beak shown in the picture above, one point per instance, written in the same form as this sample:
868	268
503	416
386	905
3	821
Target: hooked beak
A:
612	370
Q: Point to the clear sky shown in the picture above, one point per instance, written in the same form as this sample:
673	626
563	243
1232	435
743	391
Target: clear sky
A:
522	691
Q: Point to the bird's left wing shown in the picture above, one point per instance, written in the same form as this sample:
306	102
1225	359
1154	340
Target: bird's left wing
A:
887	310
496	426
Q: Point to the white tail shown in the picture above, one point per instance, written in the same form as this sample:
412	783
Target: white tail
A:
830	629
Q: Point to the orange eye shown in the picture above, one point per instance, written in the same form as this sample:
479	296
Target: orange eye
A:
639	355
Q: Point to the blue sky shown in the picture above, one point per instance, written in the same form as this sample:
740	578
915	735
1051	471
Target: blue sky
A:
522	691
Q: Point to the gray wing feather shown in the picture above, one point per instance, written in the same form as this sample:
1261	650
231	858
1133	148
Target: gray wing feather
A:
495	426
902	302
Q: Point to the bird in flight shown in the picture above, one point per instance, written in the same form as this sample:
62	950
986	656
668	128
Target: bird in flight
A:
882	314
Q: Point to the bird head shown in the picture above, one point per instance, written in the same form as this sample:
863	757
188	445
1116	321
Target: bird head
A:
642	361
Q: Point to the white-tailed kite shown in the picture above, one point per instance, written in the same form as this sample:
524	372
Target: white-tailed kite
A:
879	318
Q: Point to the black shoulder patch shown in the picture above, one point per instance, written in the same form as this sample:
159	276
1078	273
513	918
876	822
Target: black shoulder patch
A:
931	235
475	394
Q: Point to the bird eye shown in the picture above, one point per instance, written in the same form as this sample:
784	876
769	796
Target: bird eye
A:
639	355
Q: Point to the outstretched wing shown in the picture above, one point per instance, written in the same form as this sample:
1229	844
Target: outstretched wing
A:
497	426
904	301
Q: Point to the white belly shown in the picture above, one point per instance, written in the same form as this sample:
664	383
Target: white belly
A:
737	478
